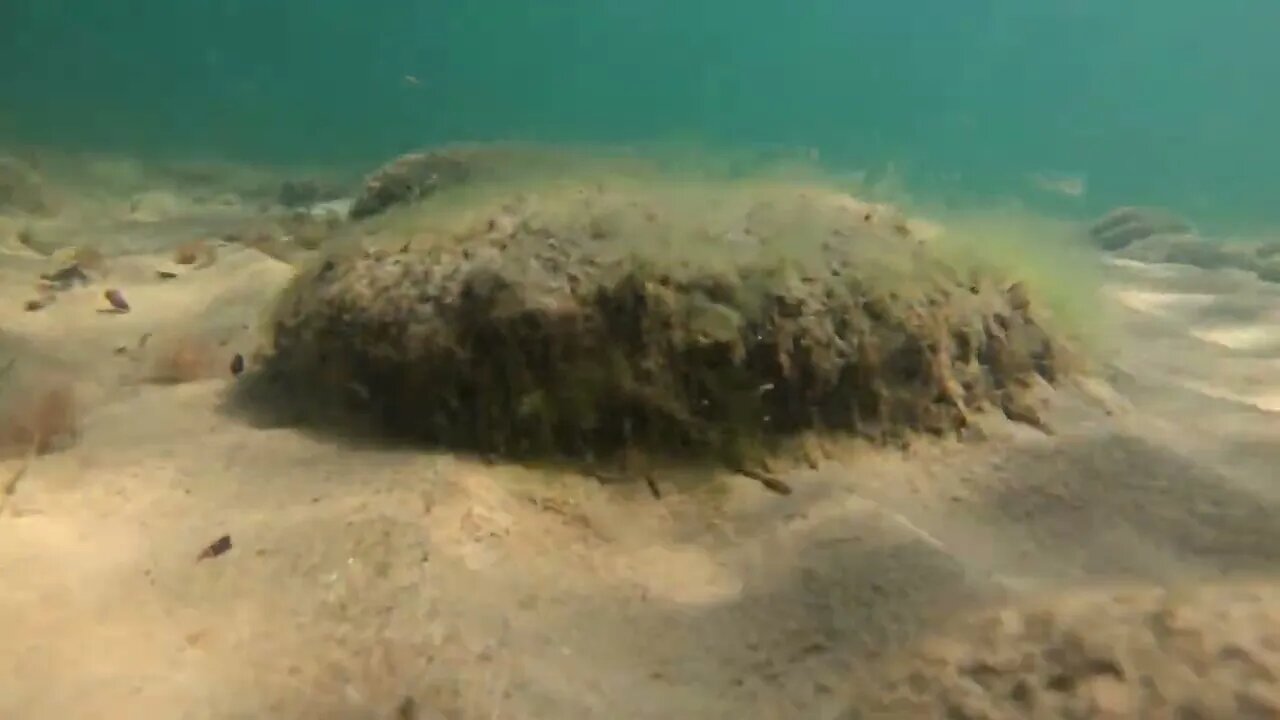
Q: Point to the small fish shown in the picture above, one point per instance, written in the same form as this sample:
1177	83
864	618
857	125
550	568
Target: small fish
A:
412	80
237	364
1060	183
215	548
117	301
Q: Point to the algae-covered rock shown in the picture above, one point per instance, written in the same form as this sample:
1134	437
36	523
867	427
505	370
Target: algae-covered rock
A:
582	321
406	179
1156	236
1106	654
1123	226
416	176
1259	257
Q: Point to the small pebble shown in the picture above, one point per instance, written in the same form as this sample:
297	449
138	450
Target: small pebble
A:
116	298
237	364
39	303
189	253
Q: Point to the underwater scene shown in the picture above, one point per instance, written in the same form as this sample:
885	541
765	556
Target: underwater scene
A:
468	360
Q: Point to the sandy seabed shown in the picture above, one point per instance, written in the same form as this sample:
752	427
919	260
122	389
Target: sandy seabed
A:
366	581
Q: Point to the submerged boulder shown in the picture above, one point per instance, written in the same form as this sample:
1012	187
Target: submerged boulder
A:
406	179
417	176
584	322
1126	225
1259	257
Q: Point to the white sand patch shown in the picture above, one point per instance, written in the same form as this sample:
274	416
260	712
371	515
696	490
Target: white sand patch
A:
1266	398
1162	303
1269	402
340	207
1240	337
1152	270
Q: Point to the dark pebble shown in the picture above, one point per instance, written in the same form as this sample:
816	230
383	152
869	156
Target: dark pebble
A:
215	548
116	298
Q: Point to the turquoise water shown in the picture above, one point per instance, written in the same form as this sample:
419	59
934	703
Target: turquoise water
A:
1155	101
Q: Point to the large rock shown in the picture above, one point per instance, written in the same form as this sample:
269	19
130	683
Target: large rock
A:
1105	654
406	179
420	175
1123	226
589	321
1259	257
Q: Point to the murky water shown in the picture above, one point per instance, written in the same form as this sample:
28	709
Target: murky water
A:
631	360
1145	102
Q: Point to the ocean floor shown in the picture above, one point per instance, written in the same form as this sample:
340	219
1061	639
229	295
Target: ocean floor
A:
368	581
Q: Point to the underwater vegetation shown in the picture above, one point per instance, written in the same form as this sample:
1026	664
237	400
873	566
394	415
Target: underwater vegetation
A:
709	319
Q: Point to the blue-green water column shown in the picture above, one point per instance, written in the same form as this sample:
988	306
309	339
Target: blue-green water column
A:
1156	100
